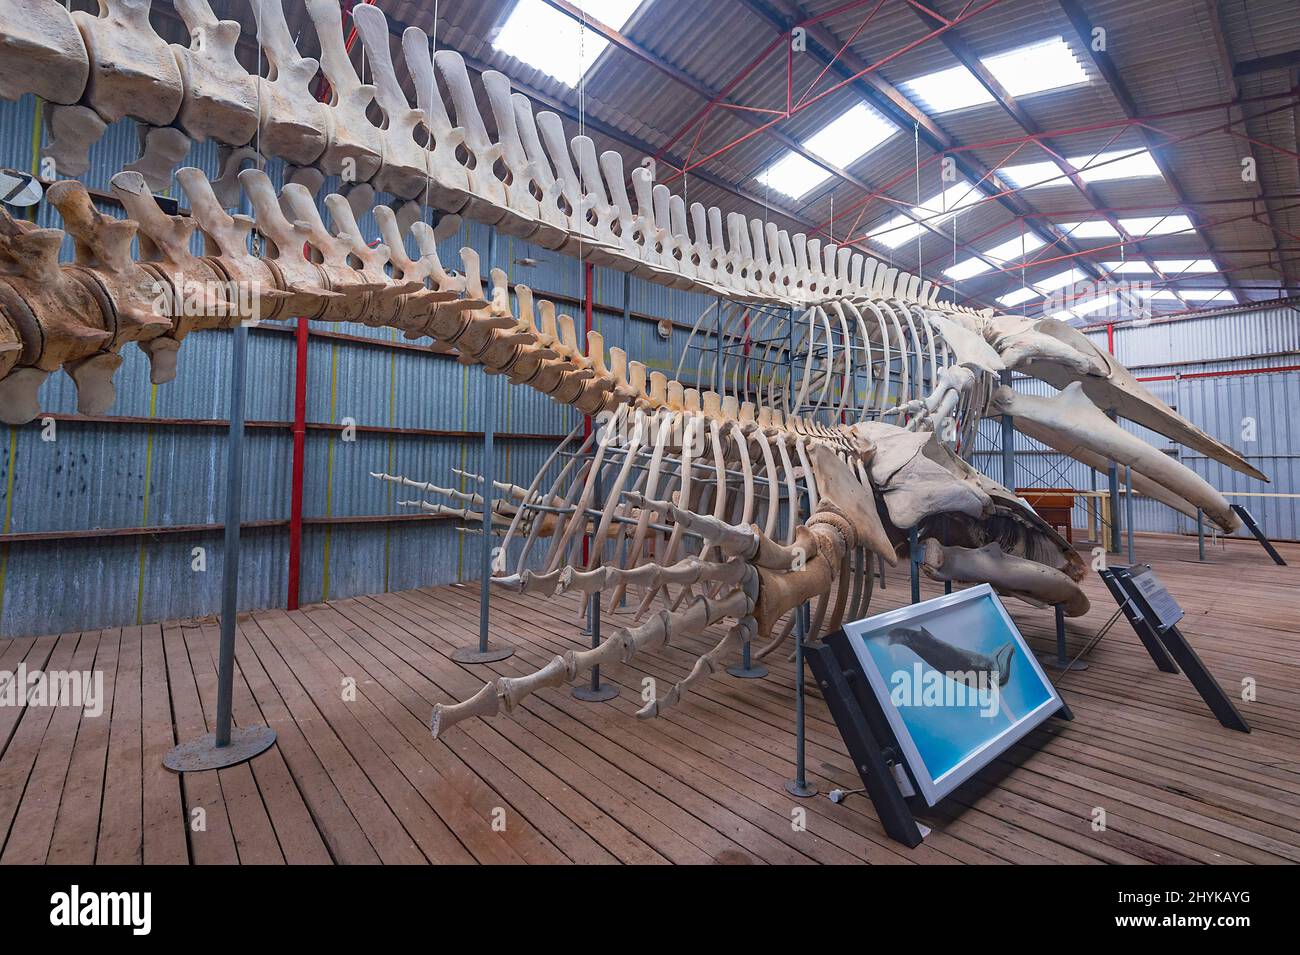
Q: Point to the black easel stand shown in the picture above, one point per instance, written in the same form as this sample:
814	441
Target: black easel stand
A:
867	734
1169	648
1255	529
863	726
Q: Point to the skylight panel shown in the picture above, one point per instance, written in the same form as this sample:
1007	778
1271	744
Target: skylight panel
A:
1089	305
1016	248
1060	280
850	137
1106	167
843	140
1031	174
897	230
1008	251
947	90
935	211
1207	295
1131	267
941	208
967	268
553	42
793	175
1185	266
1102	167
1156	225
1017	296
1037	67
1092	229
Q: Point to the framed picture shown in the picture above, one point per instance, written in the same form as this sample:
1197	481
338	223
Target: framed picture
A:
956	681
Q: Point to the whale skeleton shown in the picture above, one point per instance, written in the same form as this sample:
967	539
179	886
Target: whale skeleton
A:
734	504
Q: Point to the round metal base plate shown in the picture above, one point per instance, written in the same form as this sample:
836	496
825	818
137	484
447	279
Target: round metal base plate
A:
803	792
204	753
606	691
490	655
756	671
1055	664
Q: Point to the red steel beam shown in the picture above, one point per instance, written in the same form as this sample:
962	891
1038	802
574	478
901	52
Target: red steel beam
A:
299	463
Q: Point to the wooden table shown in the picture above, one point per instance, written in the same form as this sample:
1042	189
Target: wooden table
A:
1055	505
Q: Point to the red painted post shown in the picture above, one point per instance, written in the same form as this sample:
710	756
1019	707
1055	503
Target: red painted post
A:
299	457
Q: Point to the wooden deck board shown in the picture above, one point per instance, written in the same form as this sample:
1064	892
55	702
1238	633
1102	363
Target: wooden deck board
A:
360	780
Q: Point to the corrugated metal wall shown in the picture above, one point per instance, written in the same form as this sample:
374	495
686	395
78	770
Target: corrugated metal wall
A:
102	477
1218	371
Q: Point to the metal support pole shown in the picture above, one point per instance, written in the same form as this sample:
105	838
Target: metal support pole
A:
1128	511
594	691
1112	477
1063	661
1008	444
799	786
1200	534
746	669
228	745
627	321
483	653
231	542
913	560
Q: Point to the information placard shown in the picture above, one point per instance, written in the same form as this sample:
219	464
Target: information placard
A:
1161	602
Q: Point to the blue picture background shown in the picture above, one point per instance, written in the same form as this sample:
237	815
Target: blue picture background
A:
946	736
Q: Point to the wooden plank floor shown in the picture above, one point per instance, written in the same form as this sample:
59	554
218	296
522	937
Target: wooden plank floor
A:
355	776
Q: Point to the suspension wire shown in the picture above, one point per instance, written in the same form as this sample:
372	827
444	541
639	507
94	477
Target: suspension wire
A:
916	148
582	131
433	91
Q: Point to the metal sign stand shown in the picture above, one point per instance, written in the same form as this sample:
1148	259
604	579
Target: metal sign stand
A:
1169	649
1255	529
